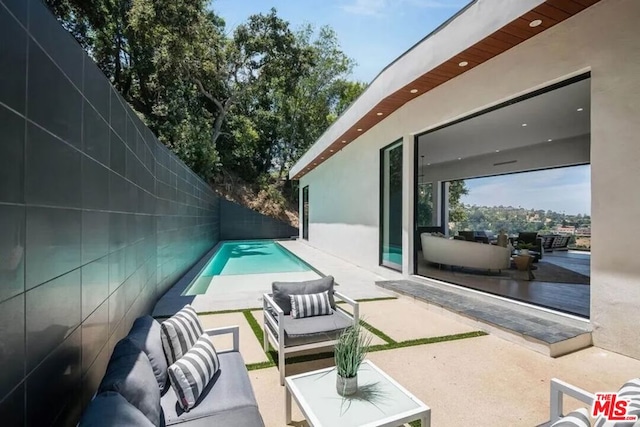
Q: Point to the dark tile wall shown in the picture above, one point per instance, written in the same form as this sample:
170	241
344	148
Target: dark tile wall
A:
97	219
241	223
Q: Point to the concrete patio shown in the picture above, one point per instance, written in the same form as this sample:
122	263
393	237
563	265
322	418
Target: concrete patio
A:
480	381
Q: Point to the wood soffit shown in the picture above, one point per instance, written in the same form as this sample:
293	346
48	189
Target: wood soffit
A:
551	12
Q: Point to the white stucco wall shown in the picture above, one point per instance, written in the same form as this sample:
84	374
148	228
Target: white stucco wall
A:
605	39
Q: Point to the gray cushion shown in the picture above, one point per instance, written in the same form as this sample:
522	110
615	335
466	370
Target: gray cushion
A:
110	409
228	393
130	374
309	330
145	333
577	418
247	416
282	291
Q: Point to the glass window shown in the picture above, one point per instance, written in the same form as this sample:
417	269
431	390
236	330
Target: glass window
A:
391	207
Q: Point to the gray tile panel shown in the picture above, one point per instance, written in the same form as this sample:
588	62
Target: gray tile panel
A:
97	219
11	156
12	243
13	79
54	102
52	311
12	355
53	168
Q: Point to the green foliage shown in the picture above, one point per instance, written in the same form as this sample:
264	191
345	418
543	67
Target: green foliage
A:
457	212
425	204
248	102
351	350
514	220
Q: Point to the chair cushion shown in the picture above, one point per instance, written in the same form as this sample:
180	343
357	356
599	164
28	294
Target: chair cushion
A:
229	391
577	418
110	409
130	374
193	371
282	291
145	333
180	332
311	330
631	391
309	305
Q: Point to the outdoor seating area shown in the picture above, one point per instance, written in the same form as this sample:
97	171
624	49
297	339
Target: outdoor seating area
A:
436	358
360	214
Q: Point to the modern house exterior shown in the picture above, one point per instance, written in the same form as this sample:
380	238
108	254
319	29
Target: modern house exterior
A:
502	87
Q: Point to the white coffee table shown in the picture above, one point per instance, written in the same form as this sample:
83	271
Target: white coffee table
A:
380	401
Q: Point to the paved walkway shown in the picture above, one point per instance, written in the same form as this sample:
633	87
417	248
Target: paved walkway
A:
352	280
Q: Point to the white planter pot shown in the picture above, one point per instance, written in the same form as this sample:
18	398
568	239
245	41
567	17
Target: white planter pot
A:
346	386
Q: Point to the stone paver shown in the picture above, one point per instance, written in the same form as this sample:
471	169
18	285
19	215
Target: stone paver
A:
537	327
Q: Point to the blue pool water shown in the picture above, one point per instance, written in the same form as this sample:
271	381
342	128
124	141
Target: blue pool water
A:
247	257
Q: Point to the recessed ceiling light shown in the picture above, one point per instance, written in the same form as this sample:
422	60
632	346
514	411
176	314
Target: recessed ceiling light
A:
379	114
463	64
535	23
344	141
314	164
497	151
549	140
414	91
321	158
459	158
359	129
428	164
524	125
331	151
580	109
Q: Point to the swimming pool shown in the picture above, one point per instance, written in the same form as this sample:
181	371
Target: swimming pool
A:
247	257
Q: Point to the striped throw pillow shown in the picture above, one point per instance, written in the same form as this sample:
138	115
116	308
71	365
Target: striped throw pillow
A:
180	332
630	391
577	418
308	305
192	372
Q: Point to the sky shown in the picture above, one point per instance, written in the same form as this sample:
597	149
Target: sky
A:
372	32
565	190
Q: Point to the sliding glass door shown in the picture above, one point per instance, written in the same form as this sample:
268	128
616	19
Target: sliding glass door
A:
391	206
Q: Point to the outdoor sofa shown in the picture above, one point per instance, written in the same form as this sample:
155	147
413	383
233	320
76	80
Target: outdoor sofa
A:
136	391
288	334
461	253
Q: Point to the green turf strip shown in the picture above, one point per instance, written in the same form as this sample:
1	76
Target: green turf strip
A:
391	345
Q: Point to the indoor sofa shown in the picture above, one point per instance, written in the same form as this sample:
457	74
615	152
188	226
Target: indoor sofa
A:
136	391
461	253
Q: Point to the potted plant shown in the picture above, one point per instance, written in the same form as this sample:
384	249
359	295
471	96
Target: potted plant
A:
524	248
350	350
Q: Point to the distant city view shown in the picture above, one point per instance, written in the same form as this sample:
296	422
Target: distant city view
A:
549	202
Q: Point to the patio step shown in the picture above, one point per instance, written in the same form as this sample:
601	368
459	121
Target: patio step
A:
540	330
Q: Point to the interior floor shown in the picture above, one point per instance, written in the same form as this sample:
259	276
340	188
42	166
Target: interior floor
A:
561	283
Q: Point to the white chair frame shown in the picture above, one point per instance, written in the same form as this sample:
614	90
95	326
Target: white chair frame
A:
560	388
233	330
277	340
